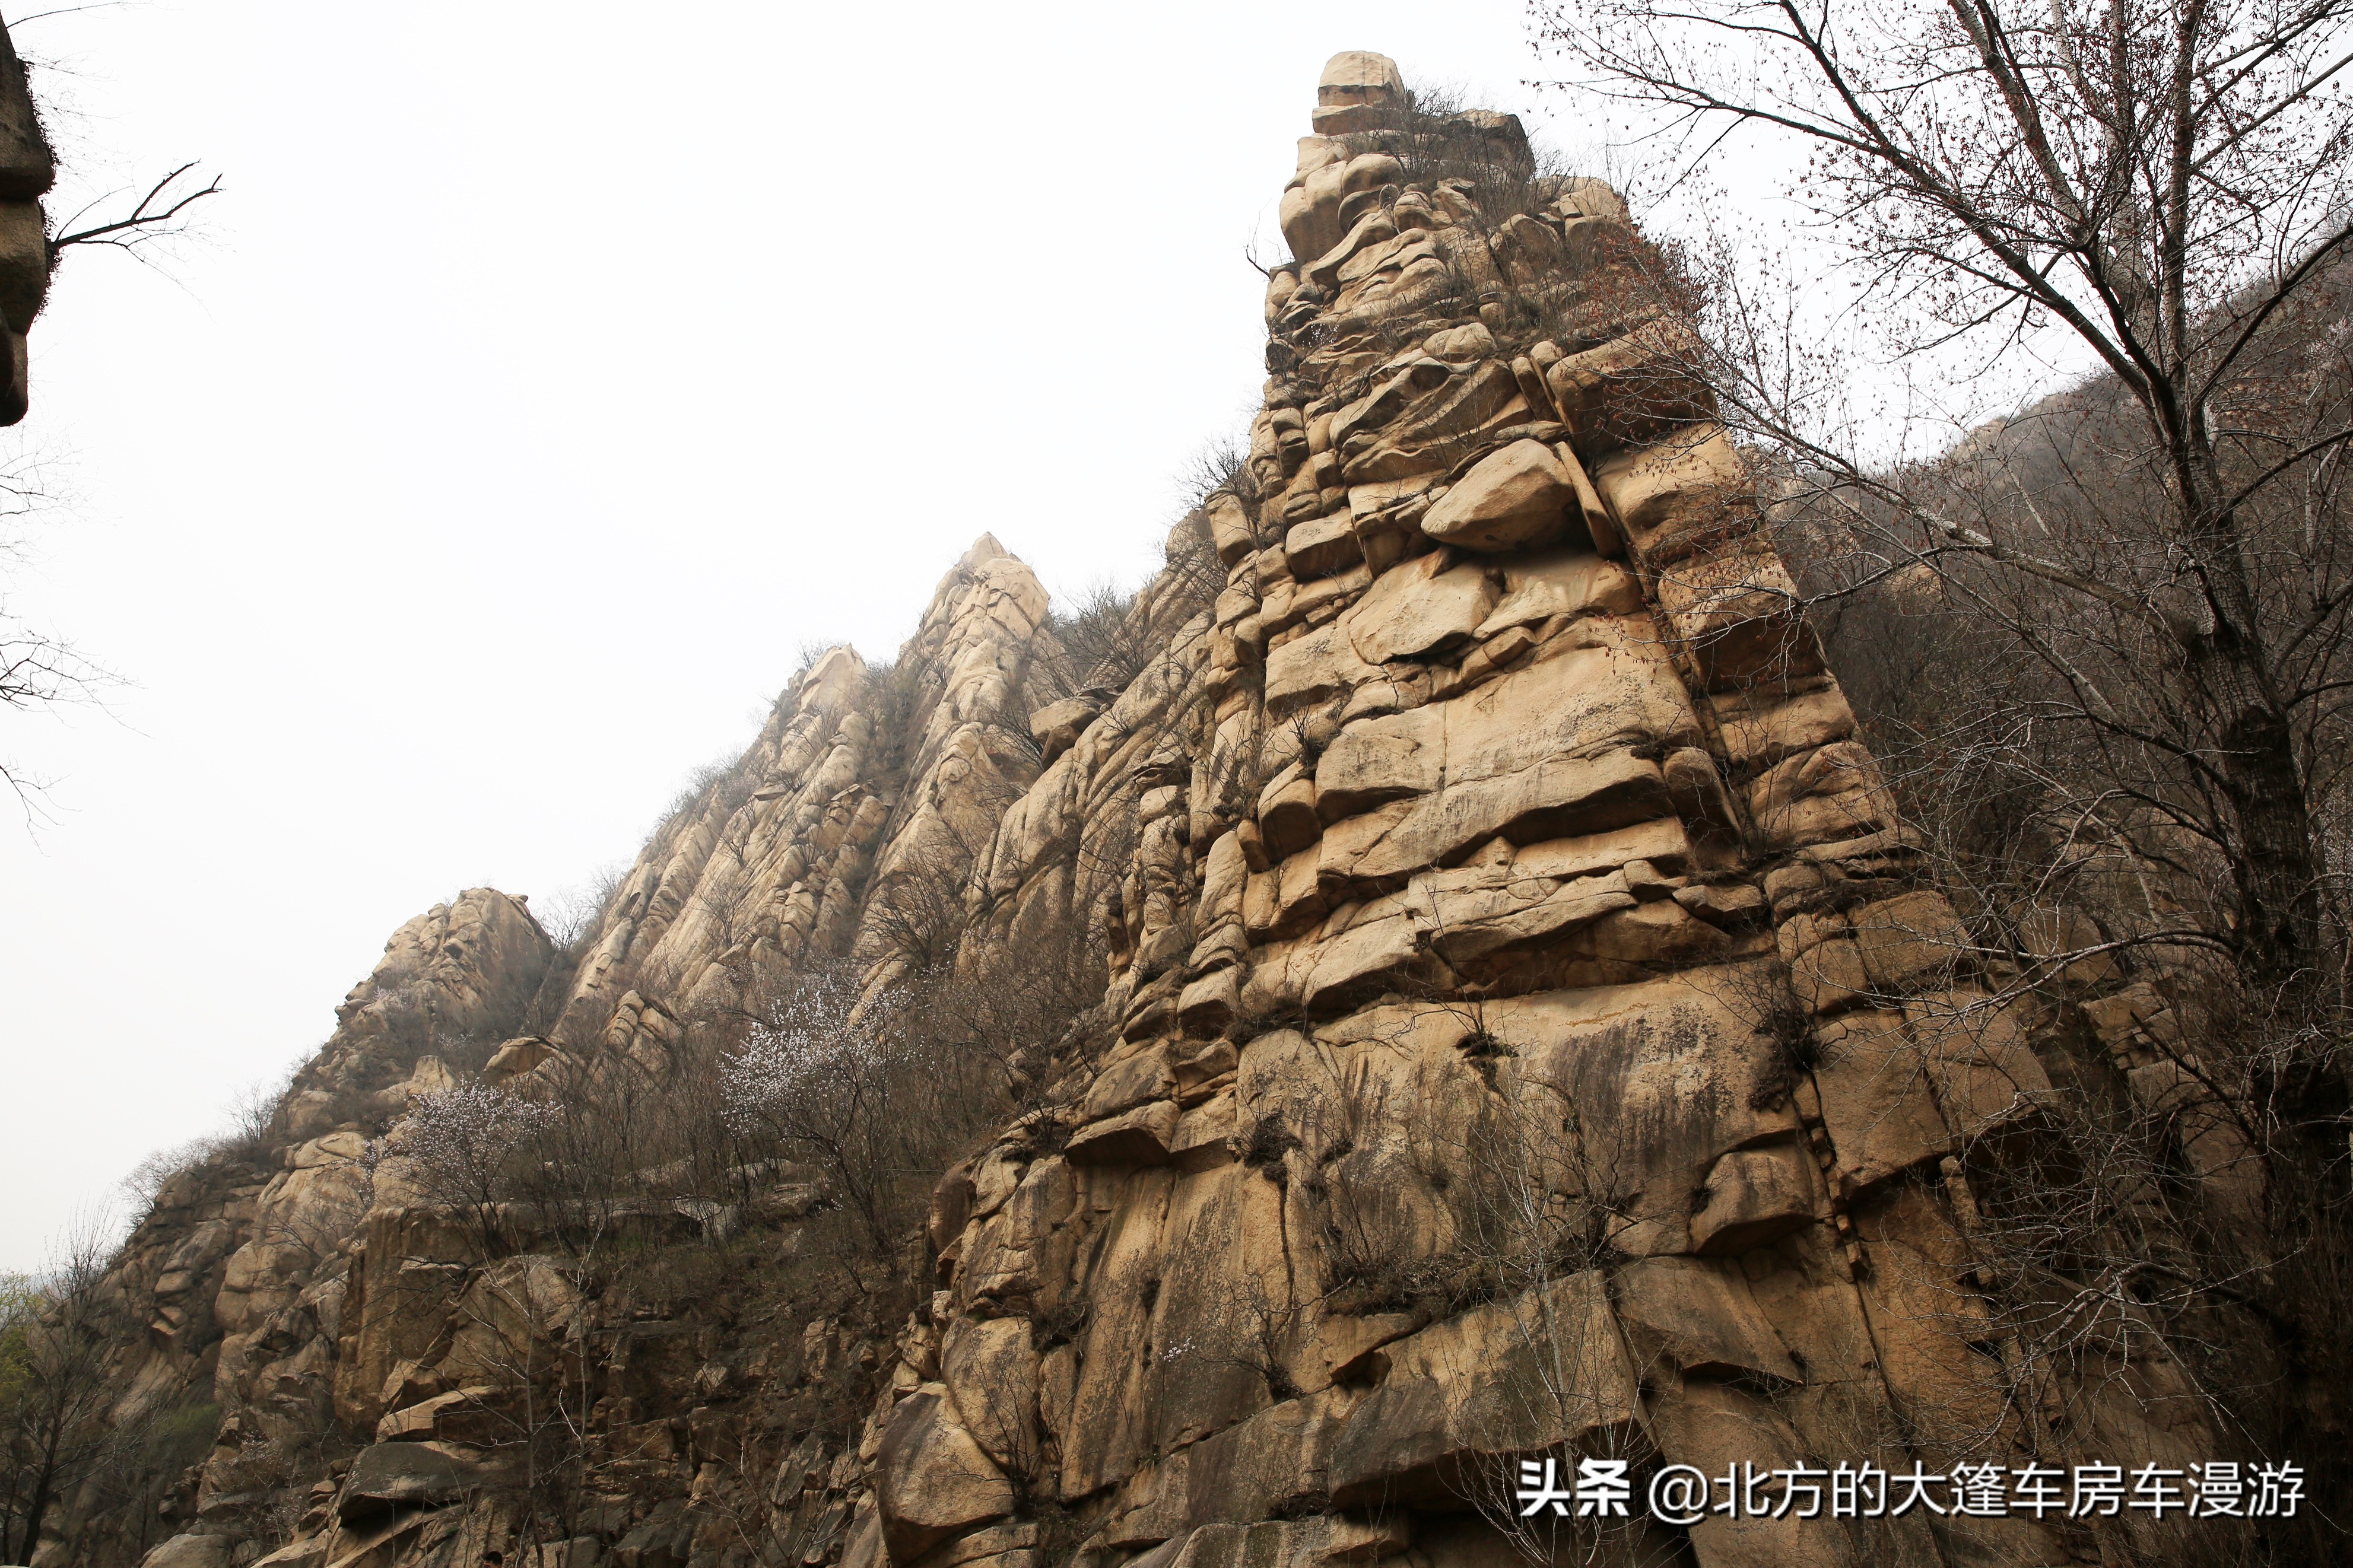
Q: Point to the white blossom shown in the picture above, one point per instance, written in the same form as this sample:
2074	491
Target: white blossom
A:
818	1039
460	1136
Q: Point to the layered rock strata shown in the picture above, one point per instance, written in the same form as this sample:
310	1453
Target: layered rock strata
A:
1527	1029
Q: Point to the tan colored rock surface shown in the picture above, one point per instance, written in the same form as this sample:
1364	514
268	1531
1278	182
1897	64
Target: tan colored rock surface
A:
1358	76
1514	1024
1634	390
1668	497
1058	726
1544	1371
1516	499
1420	608
932	1480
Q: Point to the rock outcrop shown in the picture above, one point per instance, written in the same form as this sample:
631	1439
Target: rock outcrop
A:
1524	1029
27	170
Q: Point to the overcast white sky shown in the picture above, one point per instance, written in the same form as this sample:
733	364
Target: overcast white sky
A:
552	372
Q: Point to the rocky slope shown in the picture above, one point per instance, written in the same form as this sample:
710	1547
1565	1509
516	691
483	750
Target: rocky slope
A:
1517	1026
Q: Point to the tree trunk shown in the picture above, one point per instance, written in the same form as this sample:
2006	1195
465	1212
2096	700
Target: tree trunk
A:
2275	865
2278	868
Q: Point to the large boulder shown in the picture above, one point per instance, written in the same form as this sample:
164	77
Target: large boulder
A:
1550	751
387	1476
1418	608
1513	499
1697	1316
1669	498
1636	388
1564	582
991	1372
1057	726
189	1551
932	1479
1531	1374
1740	612
1359	90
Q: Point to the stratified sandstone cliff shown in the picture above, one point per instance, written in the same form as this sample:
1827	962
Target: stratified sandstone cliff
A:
1519	1028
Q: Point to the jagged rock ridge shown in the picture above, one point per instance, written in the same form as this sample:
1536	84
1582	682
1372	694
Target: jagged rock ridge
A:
1524	1028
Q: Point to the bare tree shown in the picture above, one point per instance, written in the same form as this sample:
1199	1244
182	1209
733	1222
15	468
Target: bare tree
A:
819	1074
156	216
39	669
56	1333
2095	622
917	914
2155	186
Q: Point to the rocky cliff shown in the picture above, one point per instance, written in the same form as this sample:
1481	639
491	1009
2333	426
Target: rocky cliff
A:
1446	986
